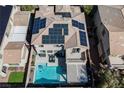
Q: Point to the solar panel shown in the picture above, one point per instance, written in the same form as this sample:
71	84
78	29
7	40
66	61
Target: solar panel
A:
66	31
81	26
83	40
55	34
35	26
51	31
52	39
65	27
38	24
55	31
61	26
45	39
66	14
78	24
74	23
42	23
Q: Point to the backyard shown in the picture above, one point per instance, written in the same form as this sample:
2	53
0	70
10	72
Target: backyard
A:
16	77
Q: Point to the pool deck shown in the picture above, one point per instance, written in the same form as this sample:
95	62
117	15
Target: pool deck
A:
45	59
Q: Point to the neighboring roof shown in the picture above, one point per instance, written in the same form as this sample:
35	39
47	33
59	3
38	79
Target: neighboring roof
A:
20	28
21	18
116	6
116	62
19	34
5	12
112	17
12	53
14	45
116	43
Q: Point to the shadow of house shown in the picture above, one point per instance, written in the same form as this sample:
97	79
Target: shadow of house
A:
5	12
61	57
29	37
102	34
61	62
30	27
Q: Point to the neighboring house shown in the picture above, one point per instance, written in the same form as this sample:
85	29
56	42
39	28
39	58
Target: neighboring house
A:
61	28
14	42
5	24
109	24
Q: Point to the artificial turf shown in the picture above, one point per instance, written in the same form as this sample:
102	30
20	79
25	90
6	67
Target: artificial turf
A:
16	77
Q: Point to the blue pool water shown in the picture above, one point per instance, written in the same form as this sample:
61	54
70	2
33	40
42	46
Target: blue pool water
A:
47	74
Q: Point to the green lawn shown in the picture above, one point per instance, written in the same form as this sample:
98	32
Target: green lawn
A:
16	77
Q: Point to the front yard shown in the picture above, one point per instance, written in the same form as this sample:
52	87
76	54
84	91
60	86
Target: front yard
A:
16	77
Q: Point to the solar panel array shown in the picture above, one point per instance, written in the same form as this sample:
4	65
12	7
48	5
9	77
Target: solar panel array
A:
38	24
55	34
83	40
78	24
62	26
53	31
66	14
52	39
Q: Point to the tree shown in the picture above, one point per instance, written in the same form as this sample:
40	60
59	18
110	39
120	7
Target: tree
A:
88	9
108	79
28	7
121	79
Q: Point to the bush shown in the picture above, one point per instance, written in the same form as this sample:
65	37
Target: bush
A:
88	9
27	7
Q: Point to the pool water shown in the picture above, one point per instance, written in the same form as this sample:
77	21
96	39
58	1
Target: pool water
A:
47	74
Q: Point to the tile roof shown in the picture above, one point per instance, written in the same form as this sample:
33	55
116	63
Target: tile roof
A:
13	53
21	18
14	45
112	18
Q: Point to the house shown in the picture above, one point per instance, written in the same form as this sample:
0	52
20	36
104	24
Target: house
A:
59	39
109	25
15	42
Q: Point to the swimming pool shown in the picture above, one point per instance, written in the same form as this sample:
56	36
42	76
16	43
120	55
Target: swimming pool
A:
48	74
